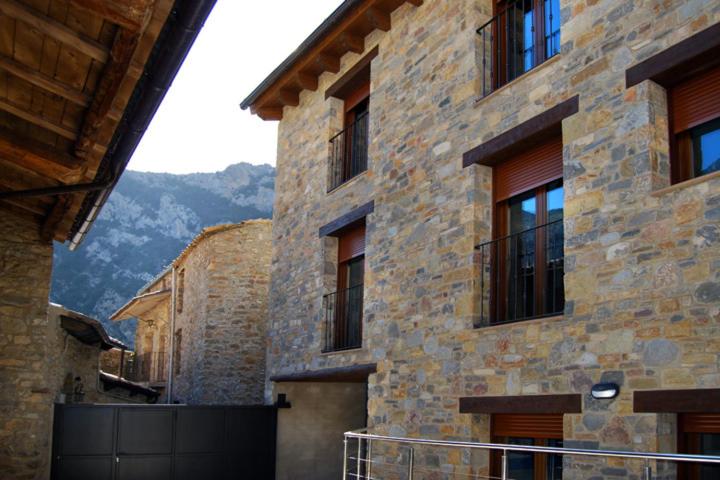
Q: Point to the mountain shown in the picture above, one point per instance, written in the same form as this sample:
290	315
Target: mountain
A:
147	221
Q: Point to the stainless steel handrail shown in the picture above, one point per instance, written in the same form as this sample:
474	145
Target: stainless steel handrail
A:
676	457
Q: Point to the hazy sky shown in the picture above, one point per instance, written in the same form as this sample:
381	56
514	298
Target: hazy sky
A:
199	126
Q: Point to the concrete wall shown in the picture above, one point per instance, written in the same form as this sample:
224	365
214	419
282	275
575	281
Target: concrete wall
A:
26	395
310	433
642	262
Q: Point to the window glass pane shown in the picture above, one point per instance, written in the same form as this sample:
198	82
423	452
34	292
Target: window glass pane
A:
555	462
706	147
523	212
521	466
355	271
528	38
709	445
552	27
554	202
521	256
554	253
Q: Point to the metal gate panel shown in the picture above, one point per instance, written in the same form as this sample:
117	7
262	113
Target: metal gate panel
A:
163	442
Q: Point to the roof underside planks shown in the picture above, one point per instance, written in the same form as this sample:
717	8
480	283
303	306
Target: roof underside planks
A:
140	305
344	31
68	71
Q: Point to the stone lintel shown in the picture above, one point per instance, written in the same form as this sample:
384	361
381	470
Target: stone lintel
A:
352	374
337	225
565	403
703	400
523	136
675	64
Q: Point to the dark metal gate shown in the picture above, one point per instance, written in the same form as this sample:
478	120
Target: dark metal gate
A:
163	442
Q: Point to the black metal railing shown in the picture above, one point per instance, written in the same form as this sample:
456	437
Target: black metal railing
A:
147	367
349	152
343	311
521	275
517	40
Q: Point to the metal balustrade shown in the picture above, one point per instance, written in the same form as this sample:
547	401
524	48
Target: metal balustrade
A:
343	319
521	275
349	152
522	35
368	456
147	367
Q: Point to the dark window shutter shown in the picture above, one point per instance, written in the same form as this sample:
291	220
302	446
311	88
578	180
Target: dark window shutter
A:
351	243
357	95
530	169
700	423
528	425
695	101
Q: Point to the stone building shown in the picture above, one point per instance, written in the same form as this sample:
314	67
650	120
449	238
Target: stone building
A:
476	233
80	83
217	328
77	347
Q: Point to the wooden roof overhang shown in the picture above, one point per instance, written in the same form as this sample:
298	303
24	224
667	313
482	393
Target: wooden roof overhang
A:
138	306
79	82
343	31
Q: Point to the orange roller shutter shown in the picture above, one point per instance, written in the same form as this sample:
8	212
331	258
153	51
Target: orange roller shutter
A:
530	169
351	243
695	101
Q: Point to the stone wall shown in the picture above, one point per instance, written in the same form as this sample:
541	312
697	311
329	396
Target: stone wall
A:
642	262
26	395
224	316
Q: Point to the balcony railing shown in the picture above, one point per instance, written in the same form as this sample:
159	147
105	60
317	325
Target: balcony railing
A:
147	367
349	152
521	275
517	40
343	319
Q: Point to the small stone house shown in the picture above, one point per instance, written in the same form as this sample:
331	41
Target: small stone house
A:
485	211
201	327
77	345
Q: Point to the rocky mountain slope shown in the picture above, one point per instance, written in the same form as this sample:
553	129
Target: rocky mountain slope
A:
148	219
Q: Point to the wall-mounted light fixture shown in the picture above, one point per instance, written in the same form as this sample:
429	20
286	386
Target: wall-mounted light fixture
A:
605	391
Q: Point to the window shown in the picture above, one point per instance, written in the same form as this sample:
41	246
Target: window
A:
699	433
344	308
694	108
523	267
177	349
349	147
521	35
544	430
180	291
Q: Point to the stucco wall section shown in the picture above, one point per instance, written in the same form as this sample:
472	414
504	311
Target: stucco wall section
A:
642	266
310	432
26	395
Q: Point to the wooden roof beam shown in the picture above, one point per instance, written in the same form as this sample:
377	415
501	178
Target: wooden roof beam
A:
328	62
54	29
53	219
270	113
352	43
129	14
37	120
307	81
24	207
416	3
289	98
379	19
43	81
39	158
123	48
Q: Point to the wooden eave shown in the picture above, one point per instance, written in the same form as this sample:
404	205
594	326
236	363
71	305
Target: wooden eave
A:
67	71
343	32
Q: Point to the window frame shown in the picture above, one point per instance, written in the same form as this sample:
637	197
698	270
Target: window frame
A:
689	428
540	460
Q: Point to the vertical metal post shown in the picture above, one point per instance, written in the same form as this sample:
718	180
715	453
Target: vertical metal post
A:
368	464
648	472
345	454
504	466
359	458
411	463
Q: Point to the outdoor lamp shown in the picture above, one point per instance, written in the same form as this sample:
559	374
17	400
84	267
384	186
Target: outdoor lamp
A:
605	391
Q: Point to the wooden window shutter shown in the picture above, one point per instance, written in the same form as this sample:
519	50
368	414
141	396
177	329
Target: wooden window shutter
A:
530	169
548	425
695	101
351	243
699	422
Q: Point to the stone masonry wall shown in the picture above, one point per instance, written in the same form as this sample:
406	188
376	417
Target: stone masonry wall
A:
642	262
25	393
224	317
